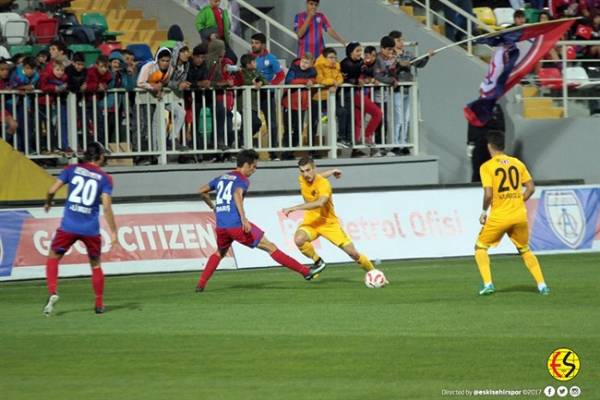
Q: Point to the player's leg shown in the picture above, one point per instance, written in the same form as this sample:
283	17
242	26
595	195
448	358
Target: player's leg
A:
336	235
213	262
303	239
61	243
93	245
490	236
285	260
519	234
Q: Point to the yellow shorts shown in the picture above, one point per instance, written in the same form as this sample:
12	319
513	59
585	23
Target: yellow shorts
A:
332	232
493	230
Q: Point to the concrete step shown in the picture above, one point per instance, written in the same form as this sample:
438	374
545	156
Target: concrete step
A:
543	113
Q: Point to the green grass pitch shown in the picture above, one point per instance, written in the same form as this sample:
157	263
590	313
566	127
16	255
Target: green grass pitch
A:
268	334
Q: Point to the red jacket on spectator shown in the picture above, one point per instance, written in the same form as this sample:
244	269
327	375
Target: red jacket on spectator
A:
298	76
225	76
49	83
94	79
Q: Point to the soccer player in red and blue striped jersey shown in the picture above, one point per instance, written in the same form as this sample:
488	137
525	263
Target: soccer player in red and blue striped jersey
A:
232	224
89	186
309	27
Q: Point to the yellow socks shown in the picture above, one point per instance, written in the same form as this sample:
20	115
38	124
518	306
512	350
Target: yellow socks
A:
533	266
365	263
309	251
483	263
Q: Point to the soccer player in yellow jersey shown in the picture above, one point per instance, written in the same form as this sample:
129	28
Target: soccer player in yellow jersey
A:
503	178
320	218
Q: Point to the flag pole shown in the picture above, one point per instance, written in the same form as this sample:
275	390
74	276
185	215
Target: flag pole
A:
489	35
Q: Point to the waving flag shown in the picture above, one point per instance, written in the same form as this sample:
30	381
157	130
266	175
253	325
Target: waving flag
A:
517	51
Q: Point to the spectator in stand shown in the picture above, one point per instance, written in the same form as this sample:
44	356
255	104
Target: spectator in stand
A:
77	74
42	58
213	22
58	49
329	74
179	84
54	82
519	18
198	79
589	8
594	51
301	72
538	4
115	102
252	77
563	8
309	27
221	76
268	66
457	19
9	125
97	81
368	71
353	69
197	72
130	65
25	78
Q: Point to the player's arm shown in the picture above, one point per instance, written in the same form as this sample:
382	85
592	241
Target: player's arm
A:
109	217
487	201
238	197
337	173
204	193
311	205
529	189
51	193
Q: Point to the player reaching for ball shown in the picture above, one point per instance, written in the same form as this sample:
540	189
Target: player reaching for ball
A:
232	224
320	218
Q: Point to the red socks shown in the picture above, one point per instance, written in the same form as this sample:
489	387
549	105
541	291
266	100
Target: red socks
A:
209	269
289	262
98	283
51	275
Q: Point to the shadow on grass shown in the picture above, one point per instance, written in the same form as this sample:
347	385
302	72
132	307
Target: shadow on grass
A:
518	288
108	309
321	283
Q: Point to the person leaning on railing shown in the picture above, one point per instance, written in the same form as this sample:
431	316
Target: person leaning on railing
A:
252	77
115	101
97	80
53	82
24	78
6	118
178	83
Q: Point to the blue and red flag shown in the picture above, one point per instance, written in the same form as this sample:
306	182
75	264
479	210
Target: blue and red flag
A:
516	53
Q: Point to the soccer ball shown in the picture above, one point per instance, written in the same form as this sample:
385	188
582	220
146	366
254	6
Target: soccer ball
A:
375	279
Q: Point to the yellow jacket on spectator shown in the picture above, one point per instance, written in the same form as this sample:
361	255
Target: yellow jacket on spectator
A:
328	74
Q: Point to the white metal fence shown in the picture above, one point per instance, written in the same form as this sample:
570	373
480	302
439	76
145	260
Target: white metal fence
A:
277	119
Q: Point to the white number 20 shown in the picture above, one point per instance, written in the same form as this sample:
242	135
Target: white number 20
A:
224	192
84	192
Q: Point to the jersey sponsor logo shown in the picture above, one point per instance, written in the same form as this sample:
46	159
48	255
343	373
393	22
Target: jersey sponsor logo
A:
565	216
563	364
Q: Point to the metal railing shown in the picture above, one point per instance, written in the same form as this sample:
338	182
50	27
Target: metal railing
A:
572	83
276	119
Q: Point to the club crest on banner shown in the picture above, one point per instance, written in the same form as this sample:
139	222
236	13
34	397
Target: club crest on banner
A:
565	216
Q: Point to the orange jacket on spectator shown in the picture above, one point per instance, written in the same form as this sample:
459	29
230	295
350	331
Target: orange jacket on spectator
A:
327	75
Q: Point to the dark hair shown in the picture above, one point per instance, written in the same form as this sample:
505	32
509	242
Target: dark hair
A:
30	62
59	44
370	49
387	42
246	59
94	151
395	34
495	139
248	156
102	60
259	37
201	49
127	52
328	50
306	160
43	52
519	14
184	49
78	57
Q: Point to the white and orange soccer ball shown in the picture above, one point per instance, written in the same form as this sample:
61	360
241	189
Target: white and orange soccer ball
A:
375	279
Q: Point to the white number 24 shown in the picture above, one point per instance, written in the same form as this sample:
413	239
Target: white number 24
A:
84	192
224	192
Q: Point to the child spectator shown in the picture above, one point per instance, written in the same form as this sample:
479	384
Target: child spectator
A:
353	69
329	74
301	72
58	50
115	102
251	77
197	72
25	79
96	84
9	125
77	74
54	83
178	83
42	58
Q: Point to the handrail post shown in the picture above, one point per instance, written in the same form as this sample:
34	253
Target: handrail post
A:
565	93
268	35
331	124
428	14
470	36
247	117
415	117
161	131
72	124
